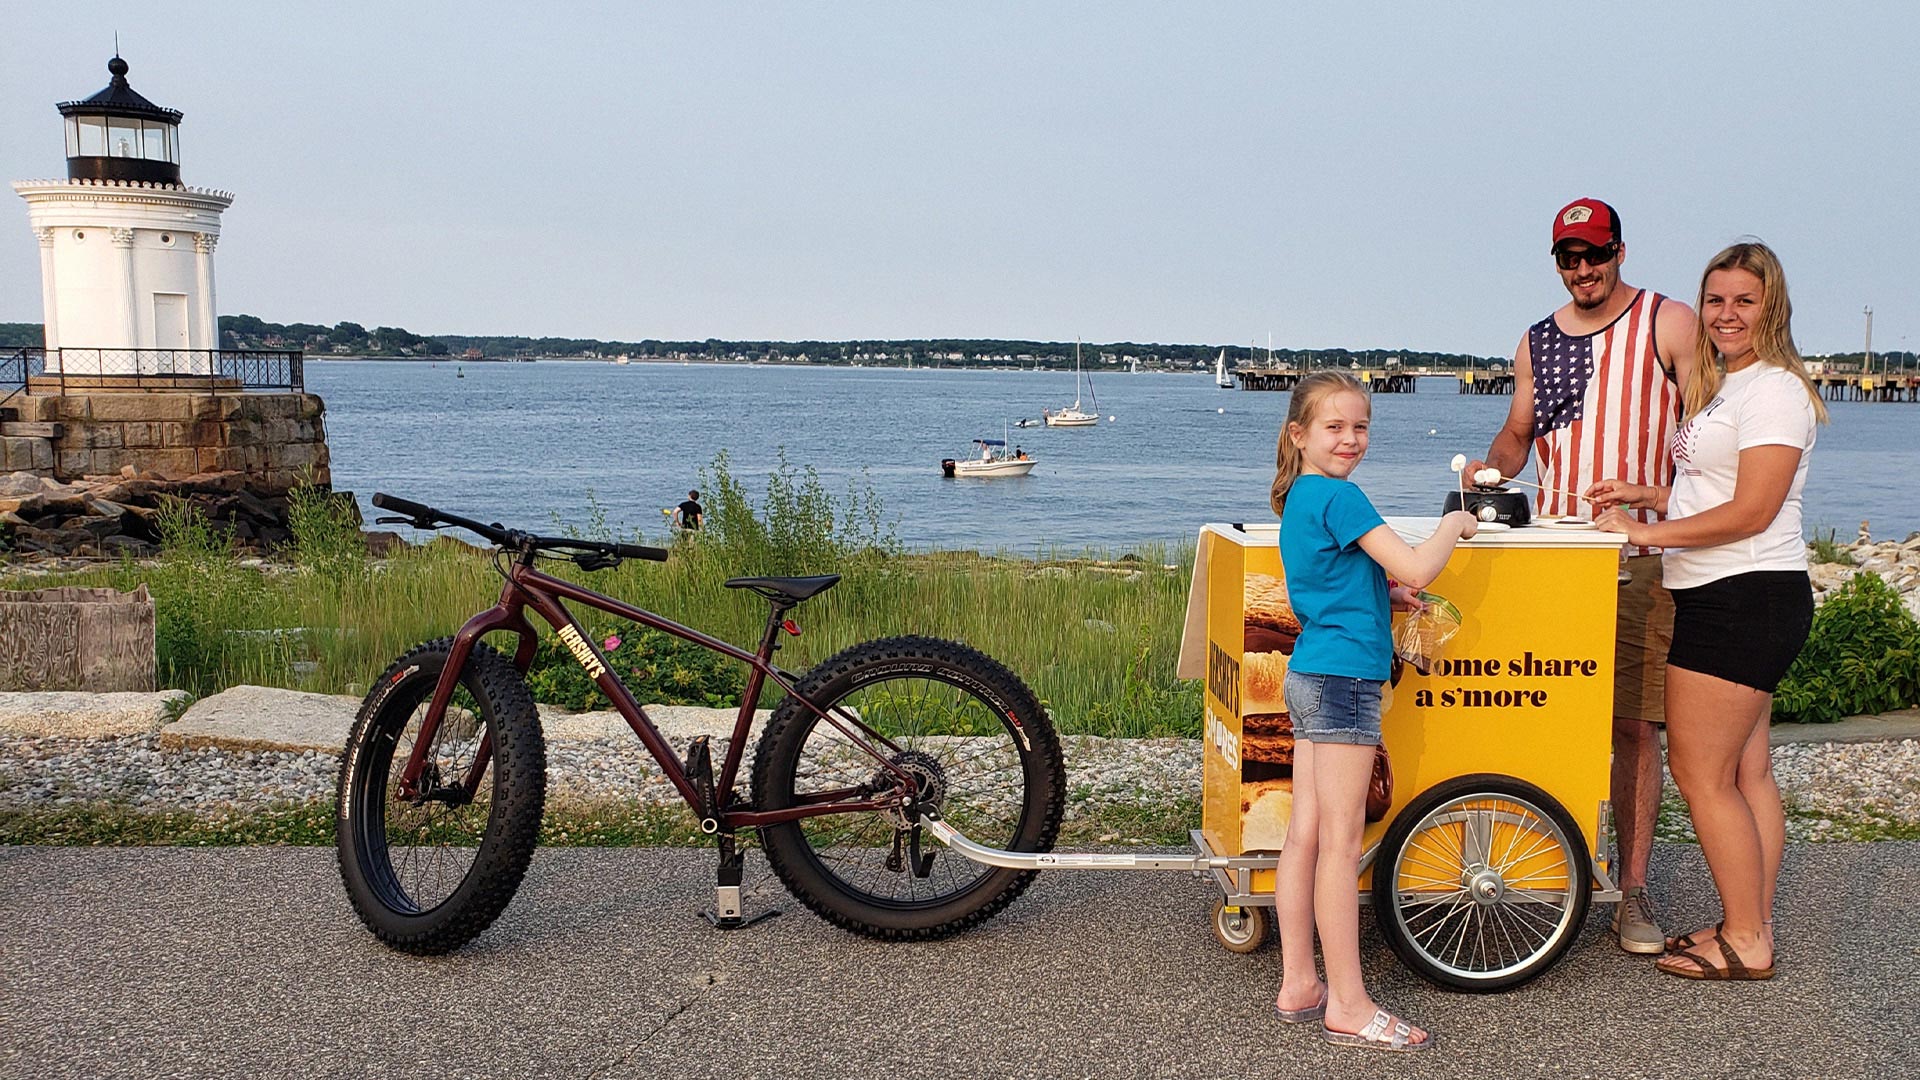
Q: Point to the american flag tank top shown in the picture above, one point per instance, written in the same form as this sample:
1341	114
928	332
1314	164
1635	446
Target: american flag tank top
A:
1603	409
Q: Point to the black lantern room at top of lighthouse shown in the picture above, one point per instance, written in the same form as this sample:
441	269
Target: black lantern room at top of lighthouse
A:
118	135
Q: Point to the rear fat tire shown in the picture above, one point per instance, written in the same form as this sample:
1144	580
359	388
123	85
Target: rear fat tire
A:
503	820
1546	932
989	693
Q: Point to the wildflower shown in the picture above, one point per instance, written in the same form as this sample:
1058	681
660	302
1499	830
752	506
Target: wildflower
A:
612	642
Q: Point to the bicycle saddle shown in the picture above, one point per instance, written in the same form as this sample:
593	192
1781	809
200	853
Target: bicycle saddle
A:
791	589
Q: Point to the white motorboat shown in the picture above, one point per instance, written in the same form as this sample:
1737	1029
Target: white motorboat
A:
994	460
1073	415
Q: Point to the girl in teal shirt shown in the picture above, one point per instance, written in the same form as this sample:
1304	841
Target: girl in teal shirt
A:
1337	553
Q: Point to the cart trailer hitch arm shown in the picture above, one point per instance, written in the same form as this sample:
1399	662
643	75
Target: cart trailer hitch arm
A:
1063	860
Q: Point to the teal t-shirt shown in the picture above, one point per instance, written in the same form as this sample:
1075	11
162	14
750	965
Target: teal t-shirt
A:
1338	592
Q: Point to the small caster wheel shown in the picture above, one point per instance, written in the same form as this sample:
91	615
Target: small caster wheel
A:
1241	929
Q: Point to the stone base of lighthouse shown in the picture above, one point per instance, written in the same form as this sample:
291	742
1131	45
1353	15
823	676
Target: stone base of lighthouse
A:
278	441
88	474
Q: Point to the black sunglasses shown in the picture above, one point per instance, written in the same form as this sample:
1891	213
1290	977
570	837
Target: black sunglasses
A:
1568	258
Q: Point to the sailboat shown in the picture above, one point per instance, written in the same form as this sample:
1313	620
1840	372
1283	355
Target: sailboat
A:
1073	415
1220	378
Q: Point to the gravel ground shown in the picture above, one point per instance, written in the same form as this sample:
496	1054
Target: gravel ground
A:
1832	791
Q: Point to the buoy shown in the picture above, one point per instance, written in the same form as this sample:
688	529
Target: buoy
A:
1432	431
1111	419
1222	411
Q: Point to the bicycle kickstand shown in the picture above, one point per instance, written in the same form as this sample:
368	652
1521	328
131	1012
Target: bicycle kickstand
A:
725	914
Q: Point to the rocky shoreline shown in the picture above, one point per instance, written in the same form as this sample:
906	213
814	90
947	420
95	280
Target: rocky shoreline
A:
47	526
1897	562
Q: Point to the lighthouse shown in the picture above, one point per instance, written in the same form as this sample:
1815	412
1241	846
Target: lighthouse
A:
126	249
131	388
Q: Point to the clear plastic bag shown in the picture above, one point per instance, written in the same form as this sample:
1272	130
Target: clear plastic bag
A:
1421	635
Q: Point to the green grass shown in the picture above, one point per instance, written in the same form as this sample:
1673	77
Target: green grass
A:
1097	646
1825	549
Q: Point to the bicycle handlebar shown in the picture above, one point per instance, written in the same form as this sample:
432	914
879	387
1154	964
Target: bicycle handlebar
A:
426	517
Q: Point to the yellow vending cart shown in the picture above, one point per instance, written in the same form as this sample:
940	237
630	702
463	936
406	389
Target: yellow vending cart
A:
1487	819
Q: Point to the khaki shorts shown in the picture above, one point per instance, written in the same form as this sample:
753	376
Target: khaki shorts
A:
1642	632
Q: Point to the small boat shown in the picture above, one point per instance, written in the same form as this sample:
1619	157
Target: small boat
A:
1220	378
994	460
1073	415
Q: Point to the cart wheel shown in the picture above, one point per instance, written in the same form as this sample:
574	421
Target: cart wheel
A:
1482	883
1241	929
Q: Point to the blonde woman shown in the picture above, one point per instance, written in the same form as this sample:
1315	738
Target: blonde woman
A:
1736	563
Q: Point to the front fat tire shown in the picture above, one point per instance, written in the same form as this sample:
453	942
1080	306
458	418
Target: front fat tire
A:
995	705
1534	846
391	894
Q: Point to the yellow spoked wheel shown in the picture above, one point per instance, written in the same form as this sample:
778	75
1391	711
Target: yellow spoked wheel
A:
1482	883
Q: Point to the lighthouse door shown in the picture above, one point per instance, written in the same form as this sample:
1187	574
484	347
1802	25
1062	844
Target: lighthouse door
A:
170	320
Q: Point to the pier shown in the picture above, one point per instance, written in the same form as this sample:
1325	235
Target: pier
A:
1377	380
1854	386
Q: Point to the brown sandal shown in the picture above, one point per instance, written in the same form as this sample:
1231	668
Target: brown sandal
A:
1685	941
1735	971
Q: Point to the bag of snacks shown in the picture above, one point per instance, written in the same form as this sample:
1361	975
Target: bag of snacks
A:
1420	635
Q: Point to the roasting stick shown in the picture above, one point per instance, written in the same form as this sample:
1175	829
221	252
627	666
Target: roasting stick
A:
1460	464
1557	491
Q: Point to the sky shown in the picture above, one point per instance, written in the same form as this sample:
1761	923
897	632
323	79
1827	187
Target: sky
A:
1353	175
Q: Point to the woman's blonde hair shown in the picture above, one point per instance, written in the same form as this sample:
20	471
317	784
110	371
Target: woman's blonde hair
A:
1308	393
1772	332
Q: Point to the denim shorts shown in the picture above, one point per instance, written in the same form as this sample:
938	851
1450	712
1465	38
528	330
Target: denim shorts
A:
1333	708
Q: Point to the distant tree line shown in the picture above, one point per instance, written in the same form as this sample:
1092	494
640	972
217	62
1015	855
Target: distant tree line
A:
17	335
345	338
353	339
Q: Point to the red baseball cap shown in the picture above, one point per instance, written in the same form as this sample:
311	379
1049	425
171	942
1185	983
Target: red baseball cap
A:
1588	220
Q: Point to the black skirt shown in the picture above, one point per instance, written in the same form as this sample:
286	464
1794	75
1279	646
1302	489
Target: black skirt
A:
1746	629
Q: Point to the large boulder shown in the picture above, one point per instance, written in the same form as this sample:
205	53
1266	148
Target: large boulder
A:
264	718
67	714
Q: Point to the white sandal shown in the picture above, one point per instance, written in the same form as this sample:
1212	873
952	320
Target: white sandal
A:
1384	1032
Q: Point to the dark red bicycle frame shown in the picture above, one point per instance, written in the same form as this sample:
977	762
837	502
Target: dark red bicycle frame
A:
528	587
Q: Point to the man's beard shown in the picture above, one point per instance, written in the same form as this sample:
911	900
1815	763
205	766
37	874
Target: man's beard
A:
1601	292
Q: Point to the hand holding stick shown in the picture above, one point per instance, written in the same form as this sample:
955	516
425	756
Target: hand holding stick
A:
1490	477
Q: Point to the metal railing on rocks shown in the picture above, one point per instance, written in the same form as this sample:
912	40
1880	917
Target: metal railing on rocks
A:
213	370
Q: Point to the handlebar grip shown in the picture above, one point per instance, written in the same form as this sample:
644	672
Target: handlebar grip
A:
636	551
417	511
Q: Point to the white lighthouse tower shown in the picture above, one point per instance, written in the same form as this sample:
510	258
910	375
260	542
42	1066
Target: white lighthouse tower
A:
126	250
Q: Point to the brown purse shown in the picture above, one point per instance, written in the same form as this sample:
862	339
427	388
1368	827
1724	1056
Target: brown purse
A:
1380	787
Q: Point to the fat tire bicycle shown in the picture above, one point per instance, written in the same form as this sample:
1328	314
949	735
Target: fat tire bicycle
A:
442	783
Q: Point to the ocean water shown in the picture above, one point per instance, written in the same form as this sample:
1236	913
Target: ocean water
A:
524	443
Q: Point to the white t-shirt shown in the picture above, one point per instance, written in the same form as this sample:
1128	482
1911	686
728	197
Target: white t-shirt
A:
1759	405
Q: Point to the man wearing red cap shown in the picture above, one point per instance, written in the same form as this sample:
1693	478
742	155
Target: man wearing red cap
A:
1596	396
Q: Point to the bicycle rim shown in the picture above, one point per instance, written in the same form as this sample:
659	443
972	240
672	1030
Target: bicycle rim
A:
419	852
975	770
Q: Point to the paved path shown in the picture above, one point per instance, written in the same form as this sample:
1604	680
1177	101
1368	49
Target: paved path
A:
247	962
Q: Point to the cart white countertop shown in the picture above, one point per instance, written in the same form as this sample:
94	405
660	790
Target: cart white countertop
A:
1415	529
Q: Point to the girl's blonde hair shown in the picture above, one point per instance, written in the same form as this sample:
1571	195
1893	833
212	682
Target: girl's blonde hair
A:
1308	393
1772	333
